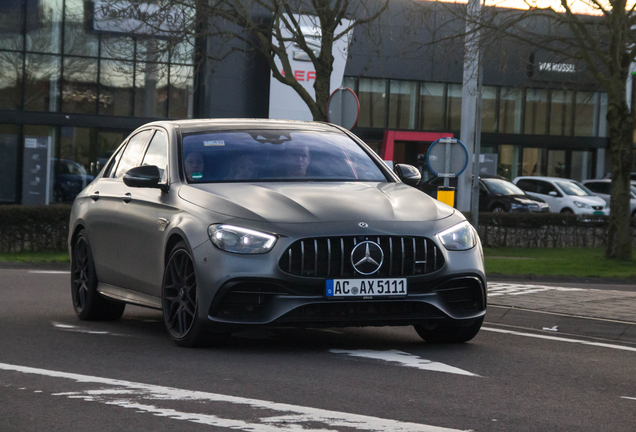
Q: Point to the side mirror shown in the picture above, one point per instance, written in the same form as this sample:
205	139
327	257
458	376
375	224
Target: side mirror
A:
552	193
408	174
146	176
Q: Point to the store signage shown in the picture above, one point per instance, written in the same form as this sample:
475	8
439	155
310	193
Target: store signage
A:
284	102
136	19
36	170
557	67
547	66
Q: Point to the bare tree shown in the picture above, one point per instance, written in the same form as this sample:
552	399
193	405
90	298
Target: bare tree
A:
268	27
602	39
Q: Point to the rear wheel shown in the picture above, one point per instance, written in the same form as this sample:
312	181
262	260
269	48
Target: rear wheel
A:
180	302
448	333
498	209
87	302
567	211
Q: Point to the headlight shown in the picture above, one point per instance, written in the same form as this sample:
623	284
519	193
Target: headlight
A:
458	237
580	204
240	240
516	206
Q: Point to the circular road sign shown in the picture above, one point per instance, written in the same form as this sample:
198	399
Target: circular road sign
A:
343	108
447	157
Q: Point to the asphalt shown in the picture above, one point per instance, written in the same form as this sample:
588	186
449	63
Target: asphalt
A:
601	308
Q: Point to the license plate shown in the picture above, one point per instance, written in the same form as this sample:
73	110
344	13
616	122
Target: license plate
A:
366	287
598	213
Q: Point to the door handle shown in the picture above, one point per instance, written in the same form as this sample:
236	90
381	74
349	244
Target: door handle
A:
126	198
94	196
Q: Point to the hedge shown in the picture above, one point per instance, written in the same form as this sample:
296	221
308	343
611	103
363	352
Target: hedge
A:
34	228
45	228
547	230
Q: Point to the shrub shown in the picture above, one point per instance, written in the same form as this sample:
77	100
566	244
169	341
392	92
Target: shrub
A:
34	228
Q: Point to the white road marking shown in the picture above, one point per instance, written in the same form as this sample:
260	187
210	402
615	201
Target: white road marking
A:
49	272
627	397
498	289
75	329
560	339
133	395
405	359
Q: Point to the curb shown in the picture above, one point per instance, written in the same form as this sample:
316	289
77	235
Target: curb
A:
11	265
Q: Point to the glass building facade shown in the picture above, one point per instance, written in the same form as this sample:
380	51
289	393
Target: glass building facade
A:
532	131
72	94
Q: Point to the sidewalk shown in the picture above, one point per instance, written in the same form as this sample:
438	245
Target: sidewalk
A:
595	308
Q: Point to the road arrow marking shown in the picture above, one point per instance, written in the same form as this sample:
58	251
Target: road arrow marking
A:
405	359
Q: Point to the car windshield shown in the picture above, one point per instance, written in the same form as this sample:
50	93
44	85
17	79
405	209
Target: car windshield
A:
502	187
574	188
276	155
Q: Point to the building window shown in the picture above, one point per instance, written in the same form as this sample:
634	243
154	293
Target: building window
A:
44	35
116	88
372	96
10	80
9	143
584	113
489	109
77	41
454	107
432	106
556	163
561	104
42	86
534	162
581	168
536	112
79	88
181	91
510	110
402	104
151	90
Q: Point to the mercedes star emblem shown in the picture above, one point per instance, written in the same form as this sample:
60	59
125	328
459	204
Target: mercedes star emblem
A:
367	257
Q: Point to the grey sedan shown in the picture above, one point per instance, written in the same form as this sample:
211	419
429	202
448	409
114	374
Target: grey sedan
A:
227	224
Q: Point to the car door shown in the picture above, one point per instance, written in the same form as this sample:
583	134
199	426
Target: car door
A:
143	218
550	194
114	192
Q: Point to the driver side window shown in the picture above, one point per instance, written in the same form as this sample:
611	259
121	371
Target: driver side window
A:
157	153
131	154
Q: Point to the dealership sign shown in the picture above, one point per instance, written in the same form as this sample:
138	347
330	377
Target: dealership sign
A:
284	102
136	19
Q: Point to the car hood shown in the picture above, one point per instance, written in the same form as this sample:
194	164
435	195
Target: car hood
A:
317	202
590	200
521	199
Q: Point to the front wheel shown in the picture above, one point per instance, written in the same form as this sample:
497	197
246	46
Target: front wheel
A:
448	333
87	302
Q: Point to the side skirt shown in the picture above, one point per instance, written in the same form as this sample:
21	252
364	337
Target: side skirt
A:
128	296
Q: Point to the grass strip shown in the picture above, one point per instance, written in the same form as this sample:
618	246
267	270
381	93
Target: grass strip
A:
36	257
583	262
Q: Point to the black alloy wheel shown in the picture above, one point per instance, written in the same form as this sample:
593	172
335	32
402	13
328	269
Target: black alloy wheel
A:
498	209
448	333
87	302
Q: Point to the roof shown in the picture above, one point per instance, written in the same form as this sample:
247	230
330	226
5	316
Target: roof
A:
199	125
542	178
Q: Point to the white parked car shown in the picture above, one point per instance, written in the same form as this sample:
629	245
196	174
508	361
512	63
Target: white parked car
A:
602	188
563	195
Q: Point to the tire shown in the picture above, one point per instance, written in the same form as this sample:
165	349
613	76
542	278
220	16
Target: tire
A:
567	211
89	305
498	209
448	333
179	298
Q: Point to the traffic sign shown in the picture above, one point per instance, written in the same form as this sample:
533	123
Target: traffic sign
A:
343	108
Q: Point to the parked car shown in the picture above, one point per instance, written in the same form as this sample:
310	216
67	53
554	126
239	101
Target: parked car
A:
632	176
563	195
496	194
602	188
69	179
222	224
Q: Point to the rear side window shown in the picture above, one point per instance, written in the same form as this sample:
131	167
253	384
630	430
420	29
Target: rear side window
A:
131	154
545	188
527	185
602	188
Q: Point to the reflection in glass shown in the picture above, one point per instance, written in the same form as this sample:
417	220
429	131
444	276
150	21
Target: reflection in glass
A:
10	82
9	136
183	52
151	90
454	107
533	162
489	109
536	111
584	114
432	106
42	89
107	143
72	169
556	163
181	91
11	24
508	161
561	103
47	134
402	104
117	47
77	40
116	88
44	34
372	96
79	92
581	165
511	102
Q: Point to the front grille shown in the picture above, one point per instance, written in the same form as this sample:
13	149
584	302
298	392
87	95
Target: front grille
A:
462	295
245	299
349	312
331	256
598	207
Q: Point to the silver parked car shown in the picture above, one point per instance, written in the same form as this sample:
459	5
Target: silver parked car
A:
226	224
602	188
